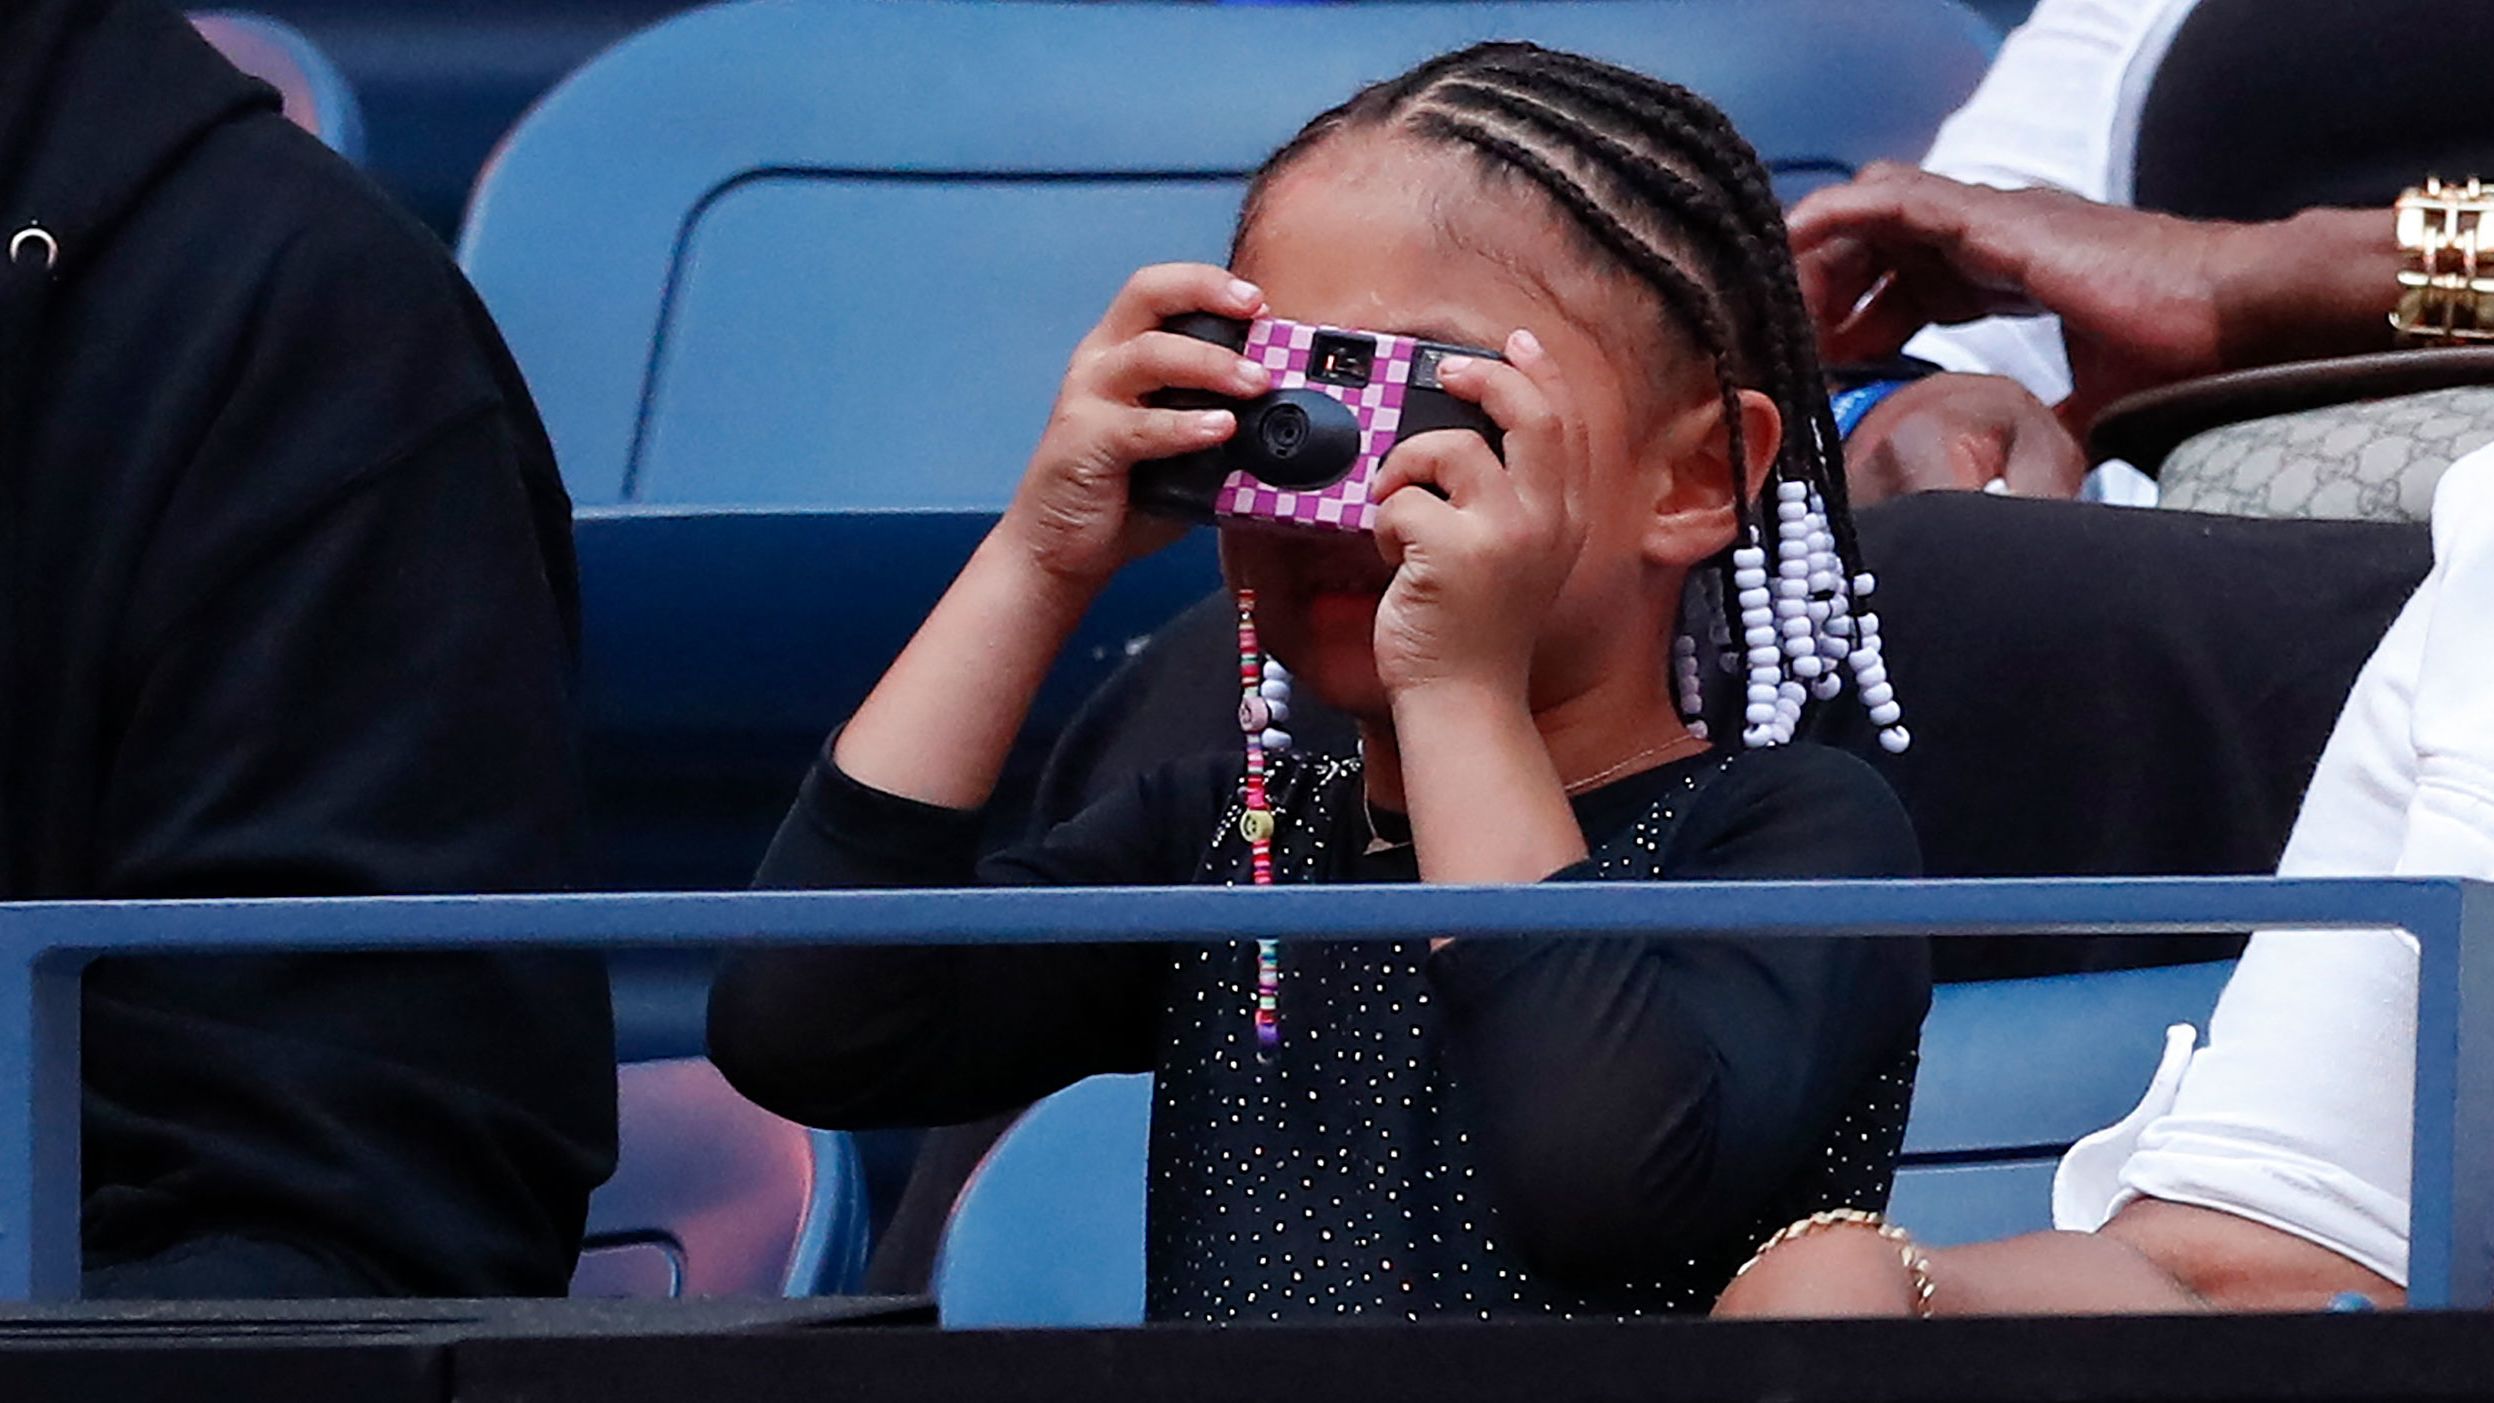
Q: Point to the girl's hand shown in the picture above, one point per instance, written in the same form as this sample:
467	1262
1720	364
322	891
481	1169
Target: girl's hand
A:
1070	516
1479	549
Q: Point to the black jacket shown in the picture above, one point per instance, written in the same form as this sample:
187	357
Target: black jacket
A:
287	606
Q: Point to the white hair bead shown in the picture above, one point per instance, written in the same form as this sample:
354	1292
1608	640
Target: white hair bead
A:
1809	668
1796	628
1279	711
1762	691
1827	686
1765	657
1275	672
1757	635
1274	689
1895	740
1873	673
1276	741
1792	588
1759	713
1792	491
1865	584
1749	558
1876	694
1886	714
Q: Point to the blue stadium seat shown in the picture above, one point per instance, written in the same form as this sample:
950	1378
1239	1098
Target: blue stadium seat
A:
834	254
2013	1071
316	95
714	1196
1049	1231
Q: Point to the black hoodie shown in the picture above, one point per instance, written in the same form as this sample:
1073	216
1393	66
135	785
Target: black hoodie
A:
287	605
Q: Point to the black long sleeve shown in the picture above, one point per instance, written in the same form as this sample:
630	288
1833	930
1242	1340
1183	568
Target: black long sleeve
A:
926	1036
1630	1093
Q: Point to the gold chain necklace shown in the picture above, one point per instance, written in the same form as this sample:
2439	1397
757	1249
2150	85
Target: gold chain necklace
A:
1666	751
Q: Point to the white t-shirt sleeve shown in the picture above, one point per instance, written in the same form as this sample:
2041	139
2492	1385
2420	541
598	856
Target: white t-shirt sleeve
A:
2059	108
2298	1112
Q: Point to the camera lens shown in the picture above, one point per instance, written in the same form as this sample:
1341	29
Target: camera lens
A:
1283	429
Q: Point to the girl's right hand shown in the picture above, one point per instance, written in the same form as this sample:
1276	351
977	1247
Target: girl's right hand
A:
1070	514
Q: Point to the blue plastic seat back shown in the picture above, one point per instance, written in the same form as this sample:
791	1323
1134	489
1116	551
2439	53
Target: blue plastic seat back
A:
720	645
317	96
836	253
2014	1071
714	1196
1049	1231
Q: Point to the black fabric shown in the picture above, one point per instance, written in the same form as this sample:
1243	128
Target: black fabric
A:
1538	1124
290	612
2262	108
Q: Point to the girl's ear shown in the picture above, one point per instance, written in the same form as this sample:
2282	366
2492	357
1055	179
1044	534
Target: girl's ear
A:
1693	516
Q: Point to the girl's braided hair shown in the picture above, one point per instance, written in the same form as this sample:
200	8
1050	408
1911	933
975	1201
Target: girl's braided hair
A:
1656	180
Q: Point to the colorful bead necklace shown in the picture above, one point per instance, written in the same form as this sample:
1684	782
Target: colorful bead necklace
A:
1263	705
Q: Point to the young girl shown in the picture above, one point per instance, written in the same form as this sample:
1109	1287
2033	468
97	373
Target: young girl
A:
1556	1124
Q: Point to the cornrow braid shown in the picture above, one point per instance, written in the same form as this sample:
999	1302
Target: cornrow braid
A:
1657	181
1704	132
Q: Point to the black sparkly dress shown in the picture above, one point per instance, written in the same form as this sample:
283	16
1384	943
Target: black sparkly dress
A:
1597	1126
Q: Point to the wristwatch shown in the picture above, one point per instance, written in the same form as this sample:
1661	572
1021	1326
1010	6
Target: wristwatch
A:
2445	296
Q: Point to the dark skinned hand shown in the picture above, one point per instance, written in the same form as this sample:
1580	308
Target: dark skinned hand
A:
1963	433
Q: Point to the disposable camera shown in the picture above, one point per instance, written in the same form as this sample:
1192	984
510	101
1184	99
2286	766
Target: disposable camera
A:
1306	450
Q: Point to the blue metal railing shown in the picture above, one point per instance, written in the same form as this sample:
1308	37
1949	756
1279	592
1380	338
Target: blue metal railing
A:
43	948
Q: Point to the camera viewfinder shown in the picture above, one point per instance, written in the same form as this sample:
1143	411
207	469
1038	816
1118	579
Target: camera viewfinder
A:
1336	359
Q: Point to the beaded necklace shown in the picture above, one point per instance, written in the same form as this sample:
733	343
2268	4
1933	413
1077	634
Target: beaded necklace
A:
1263	705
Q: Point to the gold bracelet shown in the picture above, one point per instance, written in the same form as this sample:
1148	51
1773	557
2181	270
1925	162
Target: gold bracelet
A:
1909	1252
2443	300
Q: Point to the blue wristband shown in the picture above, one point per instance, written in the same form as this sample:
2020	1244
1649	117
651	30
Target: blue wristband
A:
1854	404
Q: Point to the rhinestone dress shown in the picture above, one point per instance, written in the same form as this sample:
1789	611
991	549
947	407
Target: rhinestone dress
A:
1340	1176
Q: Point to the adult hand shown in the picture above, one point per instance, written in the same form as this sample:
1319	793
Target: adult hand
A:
2143	298
1962	432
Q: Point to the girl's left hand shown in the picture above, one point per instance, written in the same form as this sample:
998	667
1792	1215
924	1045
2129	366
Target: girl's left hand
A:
1480	548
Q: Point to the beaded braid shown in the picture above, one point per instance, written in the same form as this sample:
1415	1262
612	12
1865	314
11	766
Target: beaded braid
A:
1792	612
1708	139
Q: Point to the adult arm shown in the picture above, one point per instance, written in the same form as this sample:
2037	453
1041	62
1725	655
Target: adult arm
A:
367	694
2058	110
1635	1094
2144	299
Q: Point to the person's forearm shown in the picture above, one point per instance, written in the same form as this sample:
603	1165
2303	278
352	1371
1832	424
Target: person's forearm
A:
938	726
2322	283
1486	805
1853	1272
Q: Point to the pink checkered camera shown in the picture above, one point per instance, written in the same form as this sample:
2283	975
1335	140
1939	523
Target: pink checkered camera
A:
1305	452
